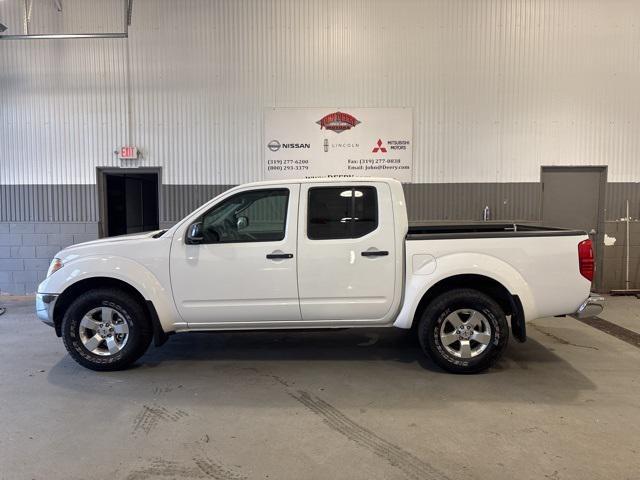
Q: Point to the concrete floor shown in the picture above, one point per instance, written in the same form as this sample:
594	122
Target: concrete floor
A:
344	405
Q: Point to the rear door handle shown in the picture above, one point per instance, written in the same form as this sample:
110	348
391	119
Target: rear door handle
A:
273	256
375	253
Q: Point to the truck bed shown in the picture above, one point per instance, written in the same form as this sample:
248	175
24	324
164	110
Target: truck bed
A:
486	230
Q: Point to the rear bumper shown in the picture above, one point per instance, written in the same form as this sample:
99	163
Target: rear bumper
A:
44	307
591	307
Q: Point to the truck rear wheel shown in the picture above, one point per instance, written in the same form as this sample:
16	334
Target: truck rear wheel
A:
106	329
463	331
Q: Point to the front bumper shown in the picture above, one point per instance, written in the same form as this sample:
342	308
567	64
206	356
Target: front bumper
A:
591	307
44	307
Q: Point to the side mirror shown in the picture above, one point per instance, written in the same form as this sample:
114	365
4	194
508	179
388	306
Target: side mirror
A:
242	222
195	235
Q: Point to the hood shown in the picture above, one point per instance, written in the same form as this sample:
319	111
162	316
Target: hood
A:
116	240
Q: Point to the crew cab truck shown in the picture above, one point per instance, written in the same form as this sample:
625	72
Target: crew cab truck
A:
316	254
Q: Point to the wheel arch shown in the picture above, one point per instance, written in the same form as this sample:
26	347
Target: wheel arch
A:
69	294
508	302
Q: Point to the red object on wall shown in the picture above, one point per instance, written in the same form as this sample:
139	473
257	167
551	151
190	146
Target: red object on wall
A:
379	147
128	153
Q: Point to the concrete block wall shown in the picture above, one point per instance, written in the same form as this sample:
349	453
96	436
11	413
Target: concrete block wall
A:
26	249
615	255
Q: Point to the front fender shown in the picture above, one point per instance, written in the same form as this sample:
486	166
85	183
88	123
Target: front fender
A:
462	264
120	268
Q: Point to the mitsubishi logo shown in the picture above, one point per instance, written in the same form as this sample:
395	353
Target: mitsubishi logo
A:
379	147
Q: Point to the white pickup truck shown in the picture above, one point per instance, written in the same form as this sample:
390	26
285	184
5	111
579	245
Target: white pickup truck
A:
316	253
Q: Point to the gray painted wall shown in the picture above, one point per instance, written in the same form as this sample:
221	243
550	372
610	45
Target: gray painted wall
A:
426	201
615	255
616	197
48	203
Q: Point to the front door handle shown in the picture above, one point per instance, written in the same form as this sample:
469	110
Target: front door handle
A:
375	253
274	256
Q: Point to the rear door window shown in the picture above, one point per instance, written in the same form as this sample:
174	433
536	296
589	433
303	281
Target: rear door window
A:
341	212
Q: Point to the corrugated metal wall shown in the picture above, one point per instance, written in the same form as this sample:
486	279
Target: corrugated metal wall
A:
498	88
48	203
432	201
62	109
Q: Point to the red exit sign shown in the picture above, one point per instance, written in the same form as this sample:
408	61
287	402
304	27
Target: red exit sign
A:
128	153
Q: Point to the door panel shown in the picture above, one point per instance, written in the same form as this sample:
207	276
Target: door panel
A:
218	283
336	281
570	198
573	197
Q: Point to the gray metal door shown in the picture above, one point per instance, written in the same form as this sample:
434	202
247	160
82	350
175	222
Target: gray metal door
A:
573	197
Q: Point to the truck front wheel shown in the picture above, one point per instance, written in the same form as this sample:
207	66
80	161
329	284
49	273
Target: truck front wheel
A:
463	331
106	329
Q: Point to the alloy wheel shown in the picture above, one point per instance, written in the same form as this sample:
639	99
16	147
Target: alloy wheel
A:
465	333
104	331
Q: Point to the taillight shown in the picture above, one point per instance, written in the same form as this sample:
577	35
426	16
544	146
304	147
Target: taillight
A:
585	259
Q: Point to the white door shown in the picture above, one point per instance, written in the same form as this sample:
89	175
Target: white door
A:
244	271
346	251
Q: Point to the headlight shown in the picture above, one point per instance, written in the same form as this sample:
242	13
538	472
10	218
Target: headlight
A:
56	264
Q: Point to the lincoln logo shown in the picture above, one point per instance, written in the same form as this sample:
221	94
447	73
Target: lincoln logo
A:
379	147
338	122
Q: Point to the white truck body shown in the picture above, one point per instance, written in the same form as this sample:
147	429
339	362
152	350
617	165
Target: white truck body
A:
324	283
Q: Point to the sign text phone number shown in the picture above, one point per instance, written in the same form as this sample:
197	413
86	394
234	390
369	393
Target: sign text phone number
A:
287	162
287	167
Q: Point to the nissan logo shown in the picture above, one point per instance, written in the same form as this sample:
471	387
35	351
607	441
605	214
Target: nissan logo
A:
273	145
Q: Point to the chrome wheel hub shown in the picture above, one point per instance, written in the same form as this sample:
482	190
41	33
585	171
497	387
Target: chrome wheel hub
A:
104	331
465	333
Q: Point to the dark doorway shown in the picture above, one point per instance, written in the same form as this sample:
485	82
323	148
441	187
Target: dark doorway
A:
129	202
573	197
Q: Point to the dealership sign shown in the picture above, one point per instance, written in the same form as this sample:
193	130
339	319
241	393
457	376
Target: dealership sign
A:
338	142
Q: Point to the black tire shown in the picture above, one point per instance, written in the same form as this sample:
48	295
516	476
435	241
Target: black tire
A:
128	308
447	306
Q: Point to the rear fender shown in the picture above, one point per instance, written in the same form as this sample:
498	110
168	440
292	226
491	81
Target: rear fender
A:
447	266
